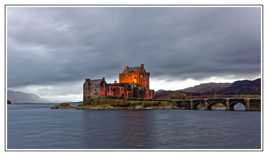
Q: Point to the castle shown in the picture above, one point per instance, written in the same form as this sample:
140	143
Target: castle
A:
133	82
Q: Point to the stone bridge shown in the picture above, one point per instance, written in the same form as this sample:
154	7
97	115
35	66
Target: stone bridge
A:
250	104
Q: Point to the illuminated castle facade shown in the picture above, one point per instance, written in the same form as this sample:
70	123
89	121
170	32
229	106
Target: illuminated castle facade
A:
133	82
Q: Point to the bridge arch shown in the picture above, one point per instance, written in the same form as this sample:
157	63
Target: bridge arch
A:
221	103
235	102
239	107
199	104
218	106
183	104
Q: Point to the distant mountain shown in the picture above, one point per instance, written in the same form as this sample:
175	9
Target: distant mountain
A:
207	88
21	97
246	87
243	87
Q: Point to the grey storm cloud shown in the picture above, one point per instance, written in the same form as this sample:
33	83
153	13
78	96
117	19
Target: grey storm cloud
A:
57	44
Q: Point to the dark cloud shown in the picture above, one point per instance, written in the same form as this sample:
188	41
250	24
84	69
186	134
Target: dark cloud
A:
51	45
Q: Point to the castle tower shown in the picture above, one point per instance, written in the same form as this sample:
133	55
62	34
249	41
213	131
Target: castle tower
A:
135	75
94	88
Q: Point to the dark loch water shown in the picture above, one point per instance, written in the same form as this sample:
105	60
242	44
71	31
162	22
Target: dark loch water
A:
38	127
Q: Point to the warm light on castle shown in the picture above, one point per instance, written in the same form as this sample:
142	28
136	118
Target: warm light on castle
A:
133	82
135	75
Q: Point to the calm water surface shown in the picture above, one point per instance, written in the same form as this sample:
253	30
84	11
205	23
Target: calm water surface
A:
34	126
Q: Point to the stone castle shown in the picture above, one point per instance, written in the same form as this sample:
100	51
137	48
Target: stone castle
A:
133	82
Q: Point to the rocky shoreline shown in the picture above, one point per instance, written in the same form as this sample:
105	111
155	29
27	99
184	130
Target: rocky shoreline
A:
100	107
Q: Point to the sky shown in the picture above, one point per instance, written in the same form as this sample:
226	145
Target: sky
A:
51	50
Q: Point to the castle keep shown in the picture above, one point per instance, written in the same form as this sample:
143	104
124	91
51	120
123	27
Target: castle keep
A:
133	82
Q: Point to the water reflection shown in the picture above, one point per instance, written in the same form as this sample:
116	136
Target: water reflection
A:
135	129
126	129
100	131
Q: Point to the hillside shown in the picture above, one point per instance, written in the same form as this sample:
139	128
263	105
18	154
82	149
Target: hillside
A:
242	87
207	88
21	97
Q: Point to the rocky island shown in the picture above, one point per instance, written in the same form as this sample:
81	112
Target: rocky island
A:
133	92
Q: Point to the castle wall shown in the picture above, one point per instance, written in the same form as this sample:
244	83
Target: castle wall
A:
115	90
86	90
94	88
